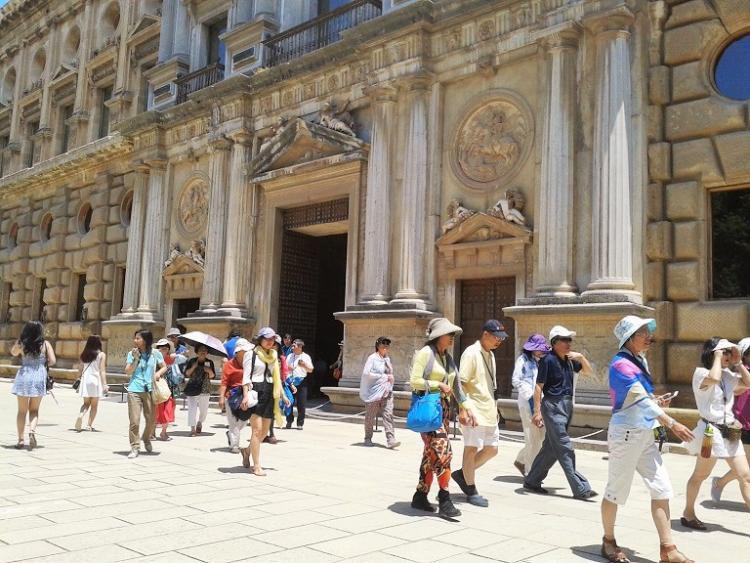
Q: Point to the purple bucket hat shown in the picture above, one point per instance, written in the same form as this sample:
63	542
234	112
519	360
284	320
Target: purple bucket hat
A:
536	343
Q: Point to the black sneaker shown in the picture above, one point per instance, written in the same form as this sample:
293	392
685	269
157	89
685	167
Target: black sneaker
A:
446	508
458	477
535	488
229	440
420	502
288	426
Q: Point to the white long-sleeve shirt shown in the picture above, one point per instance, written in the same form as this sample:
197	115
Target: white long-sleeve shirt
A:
524	377
374	384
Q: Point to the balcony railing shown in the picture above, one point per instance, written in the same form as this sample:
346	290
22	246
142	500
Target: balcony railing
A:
198	80
319	32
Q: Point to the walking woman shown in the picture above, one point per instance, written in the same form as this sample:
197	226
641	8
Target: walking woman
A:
376	391
261	374
92	373
30	384
231	379
524	382
636	412
200	370
434	371
284	373
717	436
144	366
165	410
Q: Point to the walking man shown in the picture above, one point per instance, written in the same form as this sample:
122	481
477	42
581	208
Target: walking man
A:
478	379
376	391
300	365
555	411
174	337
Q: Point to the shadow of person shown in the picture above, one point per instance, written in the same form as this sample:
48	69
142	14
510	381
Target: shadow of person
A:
186	433
593	553
374	445
676	525
725	505
509	479
406	509
240	469
141	453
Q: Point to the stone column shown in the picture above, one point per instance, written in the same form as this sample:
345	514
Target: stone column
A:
211	296
166	34
377	254
79	120
241	12
238	228
155	238
612	252
554	275
182	31
414	196
135	241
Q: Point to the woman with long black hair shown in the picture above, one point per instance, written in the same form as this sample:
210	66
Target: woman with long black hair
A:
144	366
30	384
92	373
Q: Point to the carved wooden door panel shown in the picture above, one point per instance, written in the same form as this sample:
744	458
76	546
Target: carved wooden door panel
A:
481	300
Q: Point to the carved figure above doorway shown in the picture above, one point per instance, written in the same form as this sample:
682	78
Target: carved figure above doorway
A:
337	119
507	208
457	214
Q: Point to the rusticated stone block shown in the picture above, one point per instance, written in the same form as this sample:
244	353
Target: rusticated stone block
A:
702	118
683	201
108	272
100	216
654	202
659	241
689	82
116	233
654	281
682	360
95	254
655	123
687	43
660	161
72	242
734	14
93	292
658	85
688	240
700	321
664	315
684	281
734	152
692	11
696	158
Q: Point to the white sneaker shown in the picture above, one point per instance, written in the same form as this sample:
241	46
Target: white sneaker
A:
133	454
715	490
235	450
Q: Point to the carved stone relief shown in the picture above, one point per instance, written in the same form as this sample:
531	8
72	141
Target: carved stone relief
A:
337	119
492	141
507	208
193	208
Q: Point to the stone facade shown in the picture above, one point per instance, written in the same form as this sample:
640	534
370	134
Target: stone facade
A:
566	144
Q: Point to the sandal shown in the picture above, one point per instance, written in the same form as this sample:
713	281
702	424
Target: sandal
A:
617	555
694	524
666	551
32	441
20	445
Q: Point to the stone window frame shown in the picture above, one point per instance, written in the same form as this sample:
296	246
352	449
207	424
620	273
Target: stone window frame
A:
7	91
66	54
107	29
45	227
33	63
708	236
126	208
84	216
714	49
13	235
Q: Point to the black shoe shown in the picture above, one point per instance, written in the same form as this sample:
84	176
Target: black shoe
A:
229	440
535	488
587	495
420	502
446	508
458	477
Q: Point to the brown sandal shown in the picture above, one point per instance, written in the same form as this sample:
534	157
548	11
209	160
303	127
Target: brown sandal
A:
665	552
693	524
616	556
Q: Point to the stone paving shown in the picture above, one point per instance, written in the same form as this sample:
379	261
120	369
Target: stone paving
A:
326	498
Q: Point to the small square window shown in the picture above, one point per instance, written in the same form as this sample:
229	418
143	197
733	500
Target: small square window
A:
730	243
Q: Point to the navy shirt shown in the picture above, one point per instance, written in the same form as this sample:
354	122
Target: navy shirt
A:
557	375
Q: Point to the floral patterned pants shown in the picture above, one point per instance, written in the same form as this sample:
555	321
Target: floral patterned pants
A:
437	455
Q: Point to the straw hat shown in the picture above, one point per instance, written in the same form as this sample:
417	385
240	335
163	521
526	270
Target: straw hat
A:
440	327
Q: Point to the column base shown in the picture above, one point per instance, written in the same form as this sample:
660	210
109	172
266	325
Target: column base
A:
613	293
375	300
412	300
557	291
118	333
218	324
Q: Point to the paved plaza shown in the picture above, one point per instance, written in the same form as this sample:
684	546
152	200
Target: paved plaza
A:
326	498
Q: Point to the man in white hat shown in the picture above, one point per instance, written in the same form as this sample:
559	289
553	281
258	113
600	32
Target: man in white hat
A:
555	381
173	335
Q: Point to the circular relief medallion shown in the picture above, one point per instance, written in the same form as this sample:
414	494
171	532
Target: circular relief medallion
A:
492	141
193	208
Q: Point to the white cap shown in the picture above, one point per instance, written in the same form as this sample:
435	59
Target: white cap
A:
724	344
173	332
243	345
163	342
629	325
559	331
744	345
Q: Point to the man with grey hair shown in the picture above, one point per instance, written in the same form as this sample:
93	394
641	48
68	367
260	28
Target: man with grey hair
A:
300	364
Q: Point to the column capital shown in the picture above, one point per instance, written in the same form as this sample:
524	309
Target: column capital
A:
218	142
617	21
382	93
418	82
140	166
155	165
563	38
241	137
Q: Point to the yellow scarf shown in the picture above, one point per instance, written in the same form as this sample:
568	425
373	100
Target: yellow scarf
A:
270	357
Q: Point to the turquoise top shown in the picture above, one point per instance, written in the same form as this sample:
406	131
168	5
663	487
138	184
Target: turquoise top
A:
143	376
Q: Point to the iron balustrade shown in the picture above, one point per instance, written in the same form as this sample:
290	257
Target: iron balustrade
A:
319	32
198	80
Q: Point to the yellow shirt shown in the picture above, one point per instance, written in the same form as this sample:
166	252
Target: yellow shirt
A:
437	375
479	383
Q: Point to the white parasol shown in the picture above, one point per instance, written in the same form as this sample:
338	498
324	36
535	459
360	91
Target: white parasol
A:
213	344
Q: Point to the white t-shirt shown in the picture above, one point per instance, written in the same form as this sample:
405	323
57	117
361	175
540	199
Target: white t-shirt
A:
293	361
715	401
254	373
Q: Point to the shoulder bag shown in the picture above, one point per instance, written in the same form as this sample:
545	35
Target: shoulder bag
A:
426	411
235	398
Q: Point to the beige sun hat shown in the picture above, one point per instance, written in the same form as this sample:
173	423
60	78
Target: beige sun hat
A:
440	327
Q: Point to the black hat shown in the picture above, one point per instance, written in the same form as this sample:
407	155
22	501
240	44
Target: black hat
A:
383	340
495	328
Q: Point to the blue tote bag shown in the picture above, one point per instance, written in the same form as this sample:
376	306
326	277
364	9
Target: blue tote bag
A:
426	411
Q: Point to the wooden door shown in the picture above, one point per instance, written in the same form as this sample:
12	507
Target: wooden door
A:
481	300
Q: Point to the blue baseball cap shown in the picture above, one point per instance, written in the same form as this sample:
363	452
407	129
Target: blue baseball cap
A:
495	328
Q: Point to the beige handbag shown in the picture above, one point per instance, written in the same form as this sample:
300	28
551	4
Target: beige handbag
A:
161	392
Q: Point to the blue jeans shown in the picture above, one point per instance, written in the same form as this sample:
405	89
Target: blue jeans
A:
557	413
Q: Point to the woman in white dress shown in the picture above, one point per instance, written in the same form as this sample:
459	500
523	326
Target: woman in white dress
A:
92	372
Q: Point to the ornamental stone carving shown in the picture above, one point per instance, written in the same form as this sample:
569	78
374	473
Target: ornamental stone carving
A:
337	119
492	141
508	208
193	208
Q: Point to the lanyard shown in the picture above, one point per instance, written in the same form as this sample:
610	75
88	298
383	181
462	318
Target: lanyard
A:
489	371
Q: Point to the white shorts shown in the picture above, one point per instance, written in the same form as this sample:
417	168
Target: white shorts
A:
480	436
631	450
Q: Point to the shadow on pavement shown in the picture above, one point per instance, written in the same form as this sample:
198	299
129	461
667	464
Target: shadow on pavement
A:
186	433
593	553
374	445
406	509
142	453
509	479
25	447
711	528
725	505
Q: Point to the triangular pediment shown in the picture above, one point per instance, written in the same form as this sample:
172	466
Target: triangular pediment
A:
182	265
146	21
482	227
300	141
61	71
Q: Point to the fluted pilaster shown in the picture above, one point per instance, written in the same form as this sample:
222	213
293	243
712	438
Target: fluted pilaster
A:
135	241
155	242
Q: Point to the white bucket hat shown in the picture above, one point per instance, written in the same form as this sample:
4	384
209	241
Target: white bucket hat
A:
559	331
744	345
243	345
629	325
163	342
440	327
724	344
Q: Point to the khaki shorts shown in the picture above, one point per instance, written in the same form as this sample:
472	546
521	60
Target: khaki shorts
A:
480	436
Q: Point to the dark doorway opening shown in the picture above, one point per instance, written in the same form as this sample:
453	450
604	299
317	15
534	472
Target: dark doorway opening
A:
482	300
183	307
311	289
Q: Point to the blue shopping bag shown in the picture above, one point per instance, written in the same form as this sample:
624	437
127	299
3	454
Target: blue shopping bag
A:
425	413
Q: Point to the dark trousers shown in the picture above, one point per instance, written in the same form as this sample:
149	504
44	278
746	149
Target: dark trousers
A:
300	401
557	413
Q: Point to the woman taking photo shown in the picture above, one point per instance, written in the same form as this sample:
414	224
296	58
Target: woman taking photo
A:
524	382
199	371
144	366
261	374
434	371
92	373
636	412
30	384
717	436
